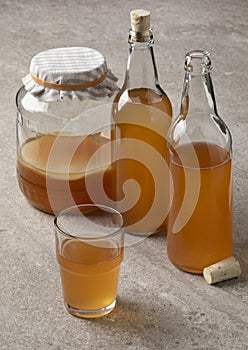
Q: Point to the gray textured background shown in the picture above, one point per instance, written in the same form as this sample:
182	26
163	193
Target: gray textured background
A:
159	307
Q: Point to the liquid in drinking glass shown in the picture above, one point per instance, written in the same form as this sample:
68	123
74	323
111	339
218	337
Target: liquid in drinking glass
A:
89	275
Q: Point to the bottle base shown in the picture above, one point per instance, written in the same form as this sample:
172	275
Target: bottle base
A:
189	269
145	234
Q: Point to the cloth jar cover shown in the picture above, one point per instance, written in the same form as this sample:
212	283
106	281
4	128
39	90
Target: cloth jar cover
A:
74	72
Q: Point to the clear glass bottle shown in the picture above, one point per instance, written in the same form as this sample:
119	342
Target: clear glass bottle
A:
63	120
200	161
141	117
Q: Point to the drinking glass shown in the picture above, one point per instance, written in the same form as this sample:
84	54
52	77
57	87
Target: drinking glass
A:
89	249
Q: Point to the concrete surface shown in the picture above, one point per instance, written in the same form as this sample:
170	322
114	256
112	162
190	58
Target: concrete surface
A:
159	307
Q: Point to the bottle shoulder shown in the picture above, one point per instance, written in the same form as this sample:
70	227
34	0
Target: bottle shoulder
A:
202	127
143	96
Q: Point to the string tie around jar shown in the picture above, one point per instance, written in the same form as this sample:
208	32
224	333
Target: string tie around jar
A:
68	87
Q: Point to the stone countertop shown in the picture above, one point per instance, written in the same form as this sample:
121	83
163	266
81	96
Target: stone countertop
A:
159	307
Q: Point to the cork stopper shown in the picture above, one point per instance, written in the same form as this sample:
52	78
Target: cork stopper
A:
140	25
222	270
140	20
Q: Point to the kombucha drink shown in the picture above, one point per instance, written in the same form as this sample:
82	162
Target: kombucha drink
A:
141	115
89	274
66	174
206	236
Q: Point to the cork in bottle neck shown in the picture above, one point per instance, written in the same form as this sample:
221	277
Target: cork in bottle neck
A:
140	26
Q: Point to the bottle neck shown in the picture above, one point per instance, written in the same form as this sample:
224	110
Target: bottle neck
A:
198	94
141	66
198	120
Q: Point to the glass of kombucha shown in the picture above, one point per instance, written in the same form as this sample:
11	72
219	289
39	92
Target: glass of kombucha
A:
89	249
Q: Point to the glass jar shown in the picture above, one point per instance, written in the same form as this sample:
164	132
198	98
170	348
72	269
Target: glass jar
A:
63	123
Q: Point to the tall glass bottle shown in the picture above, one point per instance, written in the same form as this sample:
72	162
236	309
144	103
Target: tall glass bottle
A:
200	156
141	117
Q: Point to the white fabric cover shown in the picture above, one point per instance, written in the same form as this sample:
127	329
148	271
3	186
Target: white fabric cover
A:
70	65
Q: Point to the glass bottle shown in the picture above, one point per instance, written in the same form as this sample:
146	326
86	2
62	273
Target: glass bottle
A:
200	161
141	117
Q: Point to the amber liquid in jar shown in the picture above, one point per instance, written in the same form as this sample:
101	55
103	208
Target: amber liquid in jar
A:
205	190
144	115
63	184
